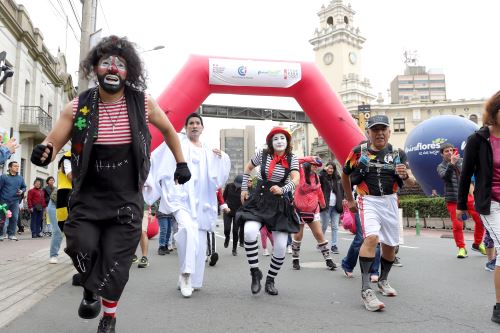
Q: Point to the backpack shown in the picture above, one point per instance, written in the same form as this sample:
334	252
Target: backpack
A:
365	164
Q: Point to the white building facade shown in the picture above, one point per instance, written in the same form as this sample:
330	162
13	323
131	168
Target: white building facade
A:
33	98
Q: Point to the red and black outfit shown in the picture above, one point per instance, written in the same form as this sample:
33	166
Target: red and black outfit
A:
36	204
106	205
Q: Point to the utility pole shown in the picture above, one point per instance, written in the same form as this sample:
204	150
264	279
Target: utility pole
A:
89	10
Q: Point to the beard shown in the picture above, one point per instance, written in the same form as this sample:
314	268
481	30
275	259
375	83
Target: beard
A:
110	88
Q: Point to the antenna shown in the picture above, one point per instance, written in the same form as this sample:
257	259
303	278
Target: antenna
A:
410	57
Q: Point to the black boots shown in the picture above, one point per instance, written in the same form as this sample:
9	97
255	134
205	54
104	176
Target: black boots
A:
90	306
295	264
270	289
77	280
330	264
107	325
496	314
256	277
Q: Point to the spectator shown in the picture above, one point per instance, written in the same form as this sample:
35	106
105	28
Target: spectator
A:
7	149
36	205
232	197
51	208
12	188
449	170
334	194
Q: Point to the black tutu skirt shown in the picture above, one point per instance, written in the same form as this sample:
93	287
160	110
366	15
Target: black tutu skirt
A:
274	211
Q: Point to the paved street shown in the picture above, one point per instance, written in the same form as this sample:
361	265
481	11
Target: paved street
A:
437	293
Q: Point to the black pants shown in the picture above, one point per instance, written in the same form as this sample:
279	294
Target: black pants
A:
102	253
237	229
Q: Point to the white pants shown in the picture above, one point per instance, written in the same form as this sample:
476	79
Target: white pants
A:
191	247
380	217
492	224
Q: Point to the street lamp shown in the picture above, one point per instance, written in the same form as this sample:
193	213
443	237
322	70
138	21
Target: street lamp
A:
158	47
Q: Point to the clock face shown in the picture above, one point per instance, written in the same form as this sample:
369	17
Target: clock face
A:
353	57
328	58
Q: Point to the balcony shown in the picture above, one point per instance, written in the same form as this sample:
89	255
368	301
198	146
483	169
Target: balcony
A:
35	122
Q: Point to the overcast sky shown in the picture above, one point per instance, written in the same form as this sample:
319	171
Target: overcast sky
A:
457	36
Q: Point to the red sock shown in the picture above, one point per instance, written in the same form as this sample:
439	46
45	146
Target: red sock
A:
109	307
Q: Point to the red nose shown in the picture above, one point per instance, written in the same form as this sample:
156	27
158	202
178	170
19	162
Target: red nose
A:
113	69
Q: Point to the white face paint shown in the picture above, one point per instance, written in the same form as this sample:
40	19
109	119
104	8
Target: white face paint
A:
279	142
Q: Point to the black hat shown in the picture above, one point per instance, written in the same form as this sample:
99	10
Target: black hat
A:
238	180
377	120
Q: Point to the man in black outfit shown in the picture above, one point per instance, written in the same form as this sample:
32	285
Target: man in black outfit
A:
232	197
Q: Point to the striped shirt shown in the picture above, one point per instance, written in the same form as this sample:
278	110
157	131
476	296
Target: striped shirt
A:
114	125
279	170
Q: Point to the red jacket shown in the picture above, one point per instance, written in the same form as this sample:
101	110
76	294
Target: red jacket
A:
308	196
36	196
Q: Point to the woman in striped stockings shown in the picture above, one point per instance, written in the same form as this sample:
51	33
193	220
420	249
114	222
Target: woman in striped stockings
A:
270	204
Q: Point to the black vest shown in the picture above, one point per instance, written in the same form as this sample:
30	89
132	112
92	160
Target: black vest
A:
85	127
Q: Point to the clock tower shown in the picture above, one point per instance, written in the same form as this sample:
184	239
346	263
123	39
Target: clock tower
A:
337	44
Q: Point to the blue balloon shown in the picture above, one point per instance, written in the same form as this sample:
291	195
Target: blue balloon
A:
422	147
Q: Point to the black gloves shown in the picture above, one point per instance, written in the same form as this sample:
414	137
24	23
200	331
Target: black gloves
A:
182	173
37	154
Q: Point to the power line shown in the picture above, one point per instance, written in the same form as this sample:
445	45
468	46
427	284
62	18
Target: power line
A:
104	15
74	13
61	15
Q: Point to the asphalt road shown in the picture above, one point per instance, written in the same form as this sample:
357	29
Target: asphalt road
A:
437	293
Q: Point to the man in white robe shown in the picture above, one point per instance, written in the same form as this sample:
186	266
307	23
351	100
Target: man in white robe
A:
194	204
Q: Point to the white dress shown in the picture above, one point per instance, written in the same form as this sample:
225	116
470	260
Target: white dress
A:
194	204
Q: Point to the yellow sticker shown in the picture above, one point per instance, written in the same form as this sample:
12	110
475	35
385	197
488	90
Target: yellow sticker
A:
84	110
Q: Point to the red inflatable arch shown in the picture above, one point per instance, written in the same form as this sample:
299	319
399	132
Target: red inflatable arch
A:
202	76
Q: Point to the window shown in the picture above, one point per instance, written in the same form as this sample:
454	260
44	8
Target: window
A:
329	20
41	101
399	125
27	87
49	110
416	114
23	168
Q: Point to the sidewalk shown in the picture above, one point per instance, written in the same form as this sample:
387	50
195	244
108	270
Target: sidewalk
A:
26	277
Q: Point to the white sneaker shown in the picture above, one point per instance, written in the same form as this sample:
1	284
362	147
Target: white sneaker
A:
289	249
386	289
14	238
371	301
53	260
265	252
185	285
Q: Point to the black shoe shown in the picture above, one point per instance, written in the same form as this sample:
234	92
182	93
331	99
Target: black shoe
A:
235	253
226	242
270	289
107	325
90	306
162	250
295	264
335	249
213	259
496	314
77	280
330	264
144	262
135	259
241	244
256	277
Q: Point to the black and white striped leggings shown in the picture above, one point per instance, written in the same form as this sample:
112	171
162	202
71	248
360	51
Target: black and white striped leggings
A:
251	231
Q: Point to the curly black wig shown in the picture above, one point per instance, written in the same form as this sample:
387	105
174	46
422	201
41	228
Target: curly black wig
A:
114	45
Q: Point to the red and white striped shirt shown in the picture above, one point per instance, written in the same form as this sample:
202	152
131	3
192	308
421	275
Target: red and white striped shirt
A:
114	125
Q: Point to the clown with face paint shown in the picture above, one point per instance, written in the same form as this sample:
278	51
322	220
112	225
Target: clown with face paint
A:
270	204
110	144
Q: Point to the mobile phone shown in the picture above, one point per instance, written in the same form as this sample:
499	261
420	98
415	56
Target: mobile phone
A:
455	151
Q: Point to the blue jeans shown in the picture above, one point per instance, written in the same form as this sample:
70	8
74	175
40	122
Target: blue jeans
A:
165	224
11	223
330	216
57	236
350	260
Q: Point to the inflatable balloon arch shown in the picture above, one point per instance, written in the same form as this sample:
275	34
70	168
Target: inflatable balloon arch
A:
202	76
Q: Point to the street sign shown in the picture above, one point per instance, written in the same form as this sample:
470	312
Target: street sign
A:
364	108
